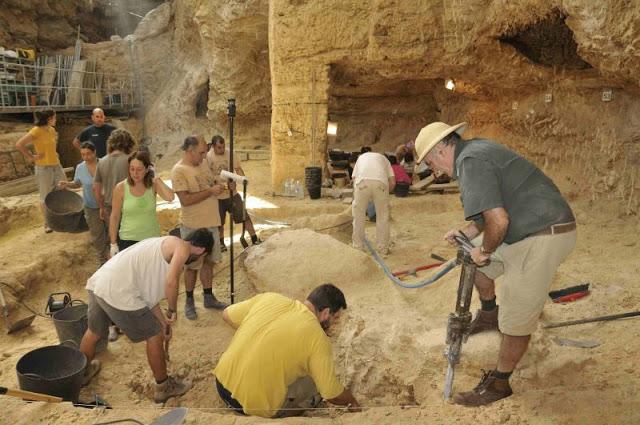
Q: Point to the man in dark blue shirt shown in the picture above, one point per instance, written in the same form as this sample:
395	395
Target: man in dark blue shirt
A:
527	228
98	133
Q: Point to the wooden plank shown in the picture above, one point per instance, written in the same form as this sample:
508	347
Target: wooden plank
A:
422	184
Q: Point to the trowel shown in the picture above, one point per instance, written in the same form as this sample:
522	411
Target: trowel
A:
18	324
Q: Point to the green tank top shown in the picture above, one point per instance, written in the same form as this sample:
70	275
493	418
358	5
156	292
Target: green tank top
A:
139	220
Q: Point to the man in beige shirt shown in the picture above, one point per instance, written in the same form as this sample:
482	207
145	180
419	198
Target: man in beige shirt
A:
218	158
194	184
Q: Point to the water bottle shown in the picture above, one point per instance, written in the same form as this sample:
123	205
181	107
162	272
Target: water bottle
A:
287	188
299	192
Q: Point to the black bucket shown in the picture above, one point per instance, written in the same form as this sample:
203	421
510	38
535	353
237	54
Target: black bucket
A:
64	211
56	370
313	181
401	190
71	323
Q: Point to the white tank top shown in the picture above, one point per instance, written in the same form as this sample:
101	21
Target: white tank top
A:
134	278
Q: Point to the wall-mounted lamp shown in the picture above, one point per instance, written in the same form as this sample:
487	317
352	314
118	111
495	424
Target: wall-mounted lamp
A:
332	128
449	84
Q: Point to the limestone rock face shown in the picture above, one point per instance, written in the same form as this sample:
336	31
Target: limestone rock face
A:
528	73
48	25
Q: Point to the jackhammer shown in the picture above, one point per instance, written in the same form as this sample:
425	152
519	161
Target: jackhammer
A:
459	321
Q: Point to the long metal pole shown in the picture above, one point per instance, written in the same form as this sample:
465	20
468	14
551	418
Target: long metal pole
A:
231	112
594	319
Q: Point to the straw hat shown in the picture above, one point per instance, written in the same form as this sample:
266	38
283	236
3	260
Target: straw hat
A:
430	135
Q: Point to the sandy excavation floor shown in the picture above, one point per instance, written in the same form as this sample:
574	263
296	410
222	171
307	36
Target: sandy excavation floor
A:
389	345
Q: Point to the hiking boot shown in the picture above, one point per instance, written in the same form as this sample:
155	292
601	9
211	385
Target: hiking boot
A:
113	333
256	240
244	242
172	387
190	309
212	302
90	371
489	389
484	321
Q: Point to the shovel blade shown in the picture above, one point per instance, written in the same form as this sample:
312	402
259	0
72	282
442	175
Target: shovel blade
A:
174	417
18	325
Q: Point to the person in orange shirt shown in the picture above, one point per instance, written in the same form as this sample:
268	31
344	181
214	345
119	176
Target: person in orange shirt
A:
48	170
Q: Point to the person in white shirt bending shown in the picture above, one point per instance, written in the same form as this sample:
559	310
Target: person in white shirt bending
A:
373	179
127	290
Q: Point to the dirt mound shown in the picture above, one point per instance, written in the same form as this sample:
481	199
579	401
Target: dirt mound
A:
293	262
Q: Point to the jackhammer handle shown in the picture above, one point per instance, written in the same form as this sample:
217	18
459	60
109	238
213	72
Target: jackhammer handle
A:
464	243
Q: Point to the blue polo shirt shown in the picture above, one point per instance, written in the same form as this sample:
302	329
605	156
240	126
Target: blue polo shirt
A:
83	177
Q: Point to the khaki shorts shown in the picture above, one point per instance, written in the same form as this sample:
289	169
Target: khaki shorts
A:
212	258
528	268
47	178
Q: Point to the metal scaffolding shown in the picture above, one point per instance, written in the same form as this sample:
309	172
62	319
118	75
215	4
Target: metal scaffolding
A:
64	83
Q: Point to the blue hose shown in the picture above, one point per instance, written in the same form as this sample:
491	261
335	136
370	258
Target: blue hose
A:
444	269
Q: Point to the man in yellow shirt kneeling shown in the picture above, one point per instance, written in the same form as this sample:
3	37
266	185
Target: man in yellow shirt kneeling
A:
280	360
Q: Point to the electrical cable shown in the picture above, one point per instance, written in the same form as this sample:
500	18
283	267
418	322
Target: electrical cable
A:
15	295
334	226
444	269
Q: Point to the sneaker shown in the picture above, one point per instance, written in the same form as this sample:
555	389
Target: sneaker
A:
256	240
172	387
484	321
212	302
244	242
190	309
113	333
90	371
489	389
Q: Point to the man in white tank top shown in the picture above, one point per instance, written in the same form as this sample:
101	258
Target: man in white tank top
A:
127	290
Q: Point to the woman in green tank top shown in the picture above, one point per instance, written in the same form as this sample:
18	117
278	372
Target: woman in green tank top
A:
134	204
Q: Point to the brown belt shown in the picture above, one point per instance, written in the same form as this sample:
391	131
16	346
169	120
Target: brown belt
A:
556	229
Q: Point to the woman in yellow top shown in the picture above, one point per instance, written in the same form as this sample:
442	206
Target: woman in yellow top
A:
48	170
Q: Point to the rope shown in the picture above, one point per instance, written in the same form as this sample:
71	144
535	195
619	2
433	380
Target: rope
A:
442	270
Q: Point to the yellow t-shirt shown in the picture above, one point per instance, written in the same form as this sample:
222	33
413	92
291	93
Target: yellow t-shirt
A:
44	141
278	341
192	179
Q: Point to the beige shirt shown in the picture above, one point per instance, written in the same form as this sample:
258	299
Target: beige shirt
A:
372	166
217	163
187	178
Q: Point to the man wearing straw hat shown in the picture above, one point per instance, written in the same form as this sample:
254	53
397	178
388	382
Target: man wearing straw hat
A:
527	228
